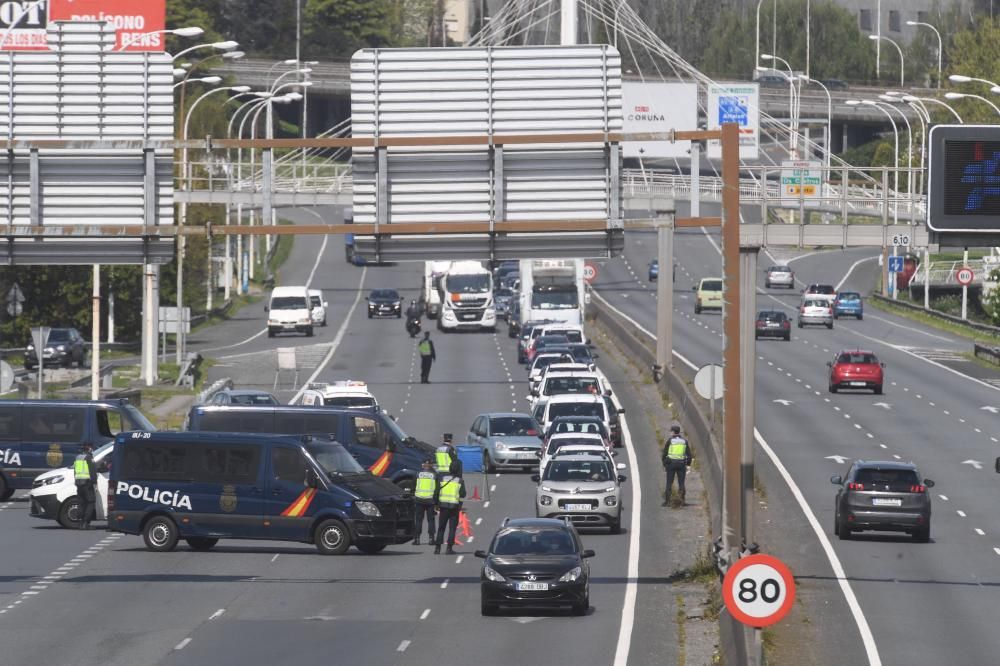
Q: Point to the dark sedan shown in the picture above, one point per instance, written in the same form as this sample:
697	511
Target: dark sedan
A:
773	324
535	562
64	347
384	303
883	495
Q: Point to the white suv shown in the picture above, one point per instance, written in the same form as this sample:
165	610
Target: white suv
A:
345	393
584	489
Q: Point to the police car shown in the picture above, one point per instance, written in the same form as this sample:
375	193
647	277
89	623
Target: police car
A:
54	497
344	393
202	487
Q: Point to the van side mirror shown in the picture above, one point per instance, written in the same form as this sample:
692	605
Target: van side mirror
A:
694	288
929	483
536	478
312	481
481	554
326	304
882	364
587	553
265	308
622	478
838	481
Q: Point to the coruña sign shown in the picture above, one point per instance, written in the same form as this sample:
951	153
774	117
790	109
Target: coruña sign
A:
138	24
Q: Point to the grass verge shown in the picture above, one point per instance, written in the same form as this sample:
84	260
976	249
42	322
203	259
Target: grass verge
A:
936	322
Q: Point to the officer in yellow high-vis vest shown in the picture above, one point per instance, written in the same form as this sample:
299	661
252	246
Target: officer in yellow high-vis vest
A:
427	356
425	496
676	459
445	456
451	490
85	475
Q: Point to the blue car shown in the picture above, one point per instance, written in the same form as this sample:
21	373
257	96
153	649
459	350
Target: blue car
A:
654	270
848	304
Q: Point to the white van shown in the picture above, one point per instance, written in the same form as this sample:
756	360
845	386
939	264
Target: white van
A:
289	311
53	493
319	306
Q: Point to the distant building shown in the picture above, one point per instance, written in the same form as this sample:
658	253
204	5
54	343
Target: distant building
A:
460	19
893	15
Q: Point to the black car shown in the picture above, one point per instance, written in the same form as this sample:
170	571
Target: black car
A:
384	303
502	298
773	324
514	318
64	347
883	495
536	562
582	353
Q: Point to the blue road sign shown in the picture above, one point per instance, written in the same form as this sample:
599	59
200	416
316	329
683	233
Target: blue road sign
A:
895	264
733	109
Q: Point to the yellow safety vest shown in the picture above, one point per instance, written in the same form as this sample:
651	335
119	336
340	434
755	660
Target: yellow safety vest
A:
81	469
424	347
677	448
442	460
449	491
426	482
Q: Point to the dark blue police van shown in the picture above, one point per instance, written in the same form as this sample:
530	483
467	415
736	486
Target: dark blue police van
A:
39	435
369	434
202	487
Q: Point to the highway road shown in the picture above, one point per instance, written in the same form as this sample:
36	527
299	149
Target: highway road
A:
94	597
924	603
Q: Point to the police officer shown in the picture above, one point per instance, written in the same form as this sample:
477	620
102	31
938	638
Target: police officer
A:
451	490
86	479
427	357
676	459
425	495
445	456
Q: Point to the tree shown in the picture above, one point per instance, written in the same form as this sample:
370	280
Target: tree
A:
976	52
338	28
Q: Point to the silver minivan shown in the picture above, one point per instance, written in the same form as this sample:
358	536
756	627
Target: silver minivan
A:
586	490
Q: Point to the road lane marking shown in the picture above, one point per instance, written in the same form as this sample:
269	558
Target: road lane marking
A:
460	558
997	551
479	520
341	332
944	498
427	611
444	583
183	644
980	532
217	614
961	513
275	557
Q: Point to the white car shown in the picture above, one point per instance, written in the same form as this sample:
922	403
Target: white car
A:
541	362
572	332
570	405
53	493
344	393
568	383
571	440
319	306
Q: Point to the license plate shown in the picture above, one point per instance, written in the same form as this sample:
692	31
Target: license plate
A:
774	325
887	501
532	587
578	507
858	383
525	454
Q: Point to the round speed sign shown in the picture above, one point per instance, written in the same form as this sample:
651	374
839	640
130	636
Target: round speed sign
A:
759	590
965	276
589	272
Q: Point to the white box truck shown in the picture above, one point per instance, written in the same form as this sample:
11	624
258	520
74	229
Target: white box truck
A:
430	300
466	292
552	289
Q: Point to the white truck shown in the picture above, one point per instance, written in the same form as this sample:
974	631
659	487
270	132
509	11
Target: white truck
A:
552	289
466	293
431	298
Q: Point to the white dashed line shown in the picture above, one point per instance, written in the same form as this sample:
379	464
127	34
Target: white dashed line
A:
444	583
961	513
459	559
183	644
427	611
493	488
486	504
216	614
869	435
479	520
883	446
402	646
997	551
980	532
944	498
276	556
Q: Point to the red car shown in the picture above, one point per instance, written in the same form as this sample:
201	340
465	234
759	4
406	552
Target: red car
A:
856	369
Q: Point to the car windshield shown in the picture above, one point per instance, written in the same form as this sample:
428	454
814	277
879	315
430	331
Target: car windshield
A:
289	303
897	480
350	401
582	355
478	283
316	301
576	409
780	269
386	294
253	399
551	340
817	304
711	285
857	357
513	426
555	300
561	385
543	362
58	335
334	458
821	289
103	451
579	470
503	293
533	541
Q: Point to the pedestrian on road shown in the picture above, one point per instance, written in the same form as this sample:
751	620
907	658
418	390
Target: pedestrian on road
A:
425	497
427	357
445	456
86	479
676	459
451	490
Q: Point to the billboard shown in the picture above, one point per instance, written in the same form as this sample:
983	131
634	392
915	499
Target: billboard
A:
735	103
138	23
658	107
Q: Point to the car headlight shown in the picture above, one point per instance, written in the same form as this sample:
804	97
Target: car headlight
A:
493	575
571	575
546	500
30	347
501	446
61	347
368	508
52	480
305	321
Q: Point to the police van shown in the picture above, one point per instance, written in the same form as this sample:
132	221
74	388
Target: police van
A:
202	487
369	434
345	393
40	435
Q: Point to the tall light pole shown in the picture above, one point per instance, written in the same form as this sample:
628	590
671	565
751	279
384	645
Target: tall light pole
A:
959	78
829	117
895	152
902	64
792	106
914	98
919	109
957	95
756	60
909	146
940	45
808	31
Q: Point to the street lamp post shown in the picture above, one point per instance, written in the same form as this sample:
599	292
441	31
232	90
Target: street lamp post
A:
829	118
940	45
756	60
902	64
957	95
914	98
909	146
895	152
792	106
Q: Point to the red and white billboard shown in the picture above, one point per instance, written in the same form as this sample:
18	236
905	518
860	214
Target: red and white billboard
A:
138	23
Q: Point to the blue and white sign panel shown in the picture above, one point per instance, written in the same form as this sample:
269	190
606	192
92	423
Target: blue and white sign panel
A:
895	264
740	104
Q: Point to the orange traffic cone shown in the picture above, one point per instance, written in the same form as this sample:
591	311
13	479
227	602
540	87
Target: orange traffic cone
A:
475	495
463	524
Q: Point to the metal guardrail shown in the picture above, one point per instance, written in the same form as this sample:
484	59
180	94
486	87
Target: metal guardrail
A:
944	316
944	273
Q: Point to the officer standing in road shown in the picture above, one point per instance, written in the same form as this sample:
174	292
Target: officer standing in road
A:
445	456
451	490
427	357
676	459
86	480
425	496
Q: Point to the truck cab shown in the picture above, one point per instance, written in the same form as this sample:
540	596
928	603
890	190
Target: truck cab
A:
467	298
552	289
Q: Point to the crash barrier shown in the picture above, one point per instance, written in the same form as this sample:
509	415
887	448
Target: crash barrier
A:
937	314
736	639
987	353
476	484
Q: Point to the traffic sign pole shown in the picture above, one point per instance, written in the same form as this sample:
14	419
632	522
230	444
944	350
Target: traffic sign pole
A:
965	287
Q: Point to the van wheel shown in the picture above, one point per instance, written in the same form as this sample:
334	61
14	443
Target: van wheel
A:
407	485
332	537
69	513
201	543
369	547
160	534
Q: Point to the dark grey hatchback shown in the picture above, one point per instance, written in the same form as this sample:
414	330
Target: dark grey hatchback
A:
883	495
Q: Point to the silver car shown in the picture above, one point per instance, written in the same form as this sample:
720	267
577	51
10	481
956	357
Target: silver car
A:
507	440
586	490
816	311
780	276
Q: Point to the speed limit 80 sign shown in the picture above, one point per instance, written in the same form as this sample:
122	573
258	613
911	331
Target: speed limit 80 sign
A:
759	590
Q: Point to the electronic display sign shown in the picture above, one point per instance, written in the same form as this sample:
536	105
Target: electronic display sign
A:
964	179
